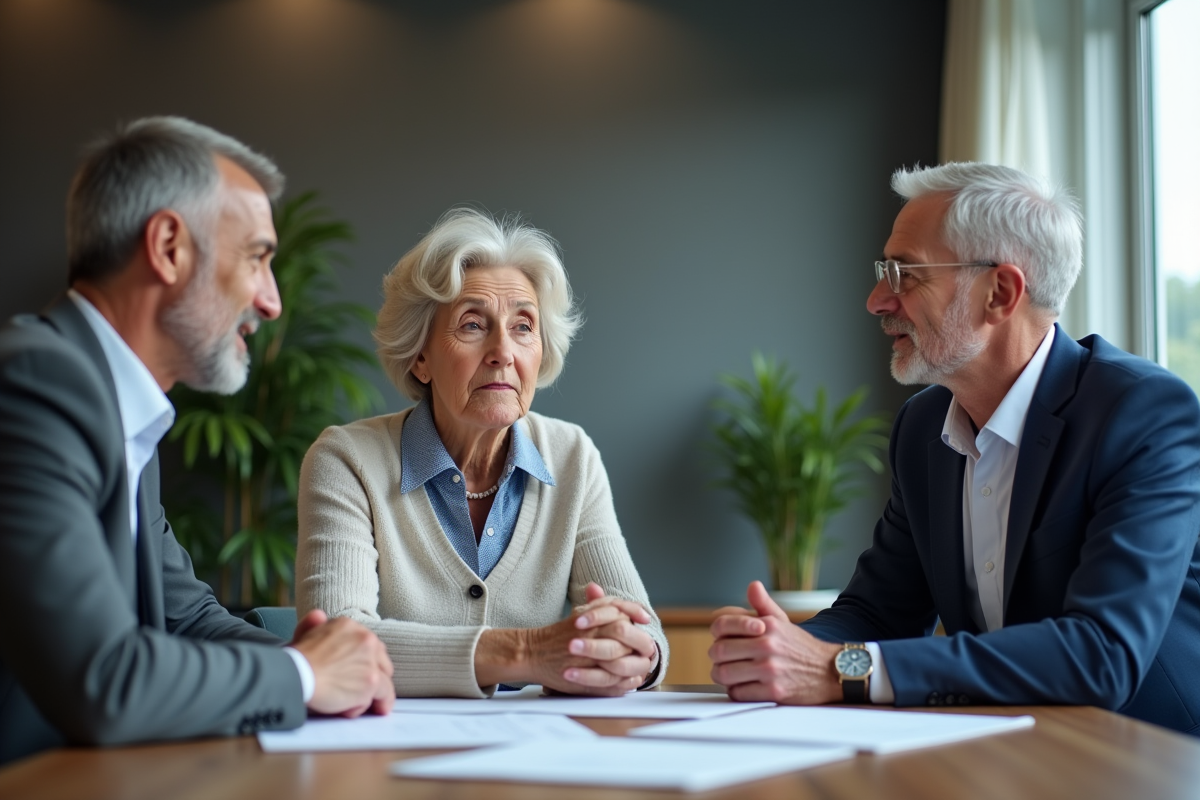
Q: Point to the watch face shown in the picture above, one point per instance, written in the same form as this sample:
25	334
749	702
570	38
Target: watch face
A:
853	663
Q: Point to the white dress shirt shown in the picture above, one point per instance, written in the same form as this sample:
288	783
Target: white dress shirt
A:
987	494
146	413
146	416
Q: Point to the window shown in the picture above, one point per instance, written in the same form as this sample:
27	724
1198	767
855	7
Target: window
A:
1170	85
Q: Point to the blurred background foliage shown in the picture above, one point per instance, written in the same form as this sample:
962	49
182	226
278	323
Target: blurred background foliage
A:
233	502
1183	330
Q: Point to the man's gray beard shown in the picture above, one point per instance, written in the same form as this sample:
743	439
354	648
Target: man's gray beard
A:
958	345
216	365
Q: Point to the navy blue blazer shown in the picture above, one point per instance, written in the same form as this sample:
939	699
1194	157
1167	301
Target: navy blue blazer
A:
1102	564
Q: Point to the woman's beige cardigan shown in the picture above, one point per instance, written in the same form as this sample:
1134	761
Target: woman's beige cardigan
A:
370	553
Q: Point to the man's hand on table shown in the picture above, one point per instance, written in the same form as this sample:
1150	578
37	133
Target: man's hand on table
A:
351	667
761	655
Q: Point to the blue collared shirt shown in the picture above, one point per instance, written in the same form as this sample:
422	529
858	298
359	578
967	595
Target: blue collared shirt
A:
425	462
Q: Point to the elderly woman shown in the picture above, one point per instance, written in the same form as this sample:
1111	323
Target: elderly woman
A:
457	530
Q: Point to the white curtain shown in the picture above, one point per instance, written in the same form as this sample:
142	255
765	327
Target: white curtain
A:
1041	86
994	86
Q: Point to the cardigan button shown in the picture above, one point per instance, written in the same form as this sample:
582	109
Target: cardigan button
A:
475	591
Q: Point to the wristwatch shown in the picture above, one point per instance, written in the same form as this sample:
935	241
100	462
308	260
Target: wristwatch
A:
854	668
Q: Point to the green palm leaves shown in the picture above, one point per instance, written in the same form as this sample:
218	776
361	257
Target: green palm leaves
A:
304	377
792	467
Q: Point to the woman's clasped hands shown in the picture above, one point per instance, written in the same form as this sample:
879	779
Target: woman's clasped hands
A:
600	649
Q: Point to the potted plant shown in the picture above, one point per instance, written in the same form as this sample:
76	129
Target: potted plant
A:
304	375
793	467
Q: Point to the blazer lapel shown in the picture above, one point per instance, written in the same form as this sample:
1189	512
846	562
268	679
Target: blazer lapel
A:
151	610
68	320
1039	441
946	536
65	317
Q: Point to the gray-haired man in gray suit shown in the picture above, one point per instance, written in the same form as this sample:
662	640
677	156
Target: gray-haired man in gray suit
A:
108	637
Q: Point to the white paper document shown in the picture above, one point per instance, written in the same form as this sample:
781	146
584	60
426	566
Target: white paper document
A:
635	705
872	731
398	731
617	761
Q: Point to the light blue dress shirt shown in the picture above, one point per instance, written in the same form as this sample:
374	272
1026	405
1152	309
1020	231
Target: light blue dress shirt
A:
425	462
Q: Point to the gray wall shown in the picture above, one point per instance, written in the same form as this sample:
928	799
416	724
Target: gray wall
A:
715	171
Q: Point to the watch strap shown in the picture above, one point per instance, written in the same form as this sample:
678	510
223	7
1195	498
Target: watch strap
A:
854	690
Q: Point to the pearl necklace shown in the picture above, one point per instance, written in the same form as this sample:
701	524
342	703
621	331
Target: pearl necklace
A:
481	495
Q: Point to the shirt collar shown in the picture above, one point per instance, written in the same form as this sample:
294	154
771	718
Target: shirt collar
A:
423	456
140	400
1008	420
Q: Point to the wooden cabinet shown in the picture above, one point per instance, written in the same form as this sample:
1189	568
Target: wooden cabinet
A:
689	639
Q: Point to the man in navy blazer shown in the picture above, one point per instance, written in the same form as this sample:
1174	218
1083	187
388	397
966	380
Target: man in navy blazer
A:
1045	492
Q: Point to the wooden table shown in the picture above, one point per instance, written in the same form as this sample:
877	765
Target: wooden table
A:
1072	752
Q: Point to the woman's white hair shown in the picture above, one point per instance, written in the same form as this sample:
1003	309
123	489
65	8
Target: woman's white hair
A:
1002	215
431	274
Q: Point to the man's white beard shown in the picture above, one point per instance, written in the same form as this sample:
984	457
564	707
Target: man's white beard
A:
216	365
941	352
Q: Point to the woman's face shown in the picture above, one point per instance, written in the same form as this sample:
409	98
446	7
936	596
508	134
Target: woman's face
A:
484	350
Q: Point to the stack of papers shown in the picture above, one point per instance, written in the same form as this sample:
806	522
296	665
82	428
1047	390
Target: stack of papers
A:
615	761
526	737
635	705
862	729
421	731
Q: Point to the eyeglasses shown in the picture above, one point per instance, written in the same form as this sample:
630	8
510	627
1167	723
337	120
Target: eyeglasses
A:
895	272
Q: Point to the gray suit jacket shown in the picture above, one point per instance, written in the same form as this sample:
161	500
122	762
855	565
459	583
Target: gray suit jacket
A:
99	644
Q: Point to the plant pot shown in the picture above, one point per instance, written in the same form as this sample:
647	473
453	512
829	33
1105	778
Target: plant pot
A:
805	601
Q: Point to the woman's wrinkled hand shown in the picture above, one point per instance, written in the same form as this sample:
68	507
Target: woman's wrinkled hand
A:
598	650
610	634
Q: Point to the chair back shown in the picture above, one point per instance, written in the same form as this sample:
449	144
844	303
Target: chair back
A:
279	620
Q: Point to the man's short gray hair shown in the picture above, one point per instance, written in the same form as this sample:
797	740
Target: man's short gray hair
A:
151	164
1002	215
431	274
